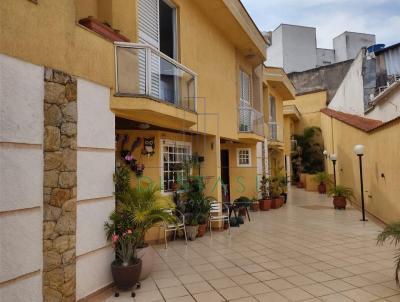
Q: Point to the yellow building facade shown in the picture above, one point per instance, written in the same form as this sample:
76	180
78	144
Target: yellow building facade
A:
185	77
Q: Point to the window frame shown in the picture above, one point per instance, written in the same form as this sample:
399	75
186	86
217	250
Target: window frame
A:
238	150
170	143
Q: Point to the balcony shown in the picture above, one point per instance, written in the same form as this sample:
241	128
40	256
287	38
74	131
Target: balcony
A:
150	85
275	134
250	124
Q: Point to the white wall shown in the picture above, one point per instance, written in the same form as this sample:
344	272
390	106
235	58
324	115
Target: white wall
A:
325	56
299	48
349	97
275	51
21	180
95	201
387	109
348	44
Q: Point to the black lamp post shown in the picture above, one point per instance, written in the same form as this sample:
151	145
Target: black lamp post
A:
359	151
333	158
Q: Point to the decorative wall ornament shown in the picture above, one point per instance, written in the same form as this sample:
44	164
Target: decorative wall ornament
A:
148	146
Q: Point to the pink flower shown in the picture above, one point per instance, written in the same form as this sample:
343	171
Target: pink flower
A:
129	231
128	157
114	238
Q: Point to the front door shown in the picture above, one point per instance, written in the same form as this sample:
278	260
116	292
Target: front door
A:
225	175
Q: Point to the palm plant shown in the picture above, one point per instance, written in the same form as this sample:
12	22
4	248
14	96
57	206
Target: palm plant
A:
321	177
139	209
392	234
341	191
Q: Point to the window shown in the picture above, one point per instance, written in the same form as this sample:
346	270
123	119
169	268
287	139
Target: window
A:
243	157
173	156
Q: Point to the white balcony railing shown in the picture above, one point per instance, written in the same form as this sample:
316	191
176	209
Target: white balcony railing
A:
275	132
143	71
250	121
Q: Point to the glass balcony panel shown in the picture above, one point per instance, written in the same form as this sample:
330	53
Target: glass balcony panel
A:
144	71
250	120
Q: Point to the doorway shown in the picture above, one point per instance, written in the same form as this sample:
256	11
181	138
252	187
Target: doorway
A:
225	176
168	46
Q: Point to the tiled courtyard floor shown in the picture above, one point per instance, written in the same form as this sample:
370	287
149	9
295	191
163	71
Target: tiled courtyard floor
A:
305	251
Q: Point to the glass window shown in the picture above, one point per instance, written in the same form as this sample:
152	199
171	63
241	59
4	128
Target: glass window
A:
244	157
174	155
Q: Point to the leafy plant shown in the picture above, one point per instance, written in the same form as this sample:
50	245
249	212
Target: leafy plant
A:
392	233
125	247
321	177
340	191
122	179
264	187
308	155
139	209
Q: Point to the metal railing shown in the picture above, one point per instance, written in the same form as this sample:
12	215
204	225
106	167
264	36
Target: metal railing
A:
250	121
275	132
143	71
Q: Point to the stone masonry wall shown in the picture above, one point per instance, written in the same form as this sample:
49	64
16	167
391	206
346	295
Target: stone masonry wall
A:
60	174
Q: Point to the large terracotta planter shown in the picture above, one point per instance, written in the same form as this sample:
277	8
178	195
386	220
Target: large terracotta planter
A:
265	204
322	188
102	29
339	202
126	277
191	231
277	203
146	254
201	230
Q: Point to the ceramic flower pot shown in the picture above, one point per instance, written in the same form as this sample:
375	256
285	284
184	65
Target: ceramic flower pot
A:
126	277
201	230
191	231
146	254
339	202
322	188
265	204
277	203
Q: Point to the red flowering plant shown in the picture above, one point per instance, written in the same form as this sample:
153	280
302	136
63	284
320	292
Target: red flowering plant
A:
124	239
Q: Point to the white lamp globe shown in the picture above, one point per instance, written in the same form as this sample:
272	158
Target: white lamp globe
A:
359	149
325	152
333	157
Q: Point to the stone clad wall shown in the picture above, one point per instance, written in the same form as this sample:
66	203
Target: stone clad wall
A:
59	186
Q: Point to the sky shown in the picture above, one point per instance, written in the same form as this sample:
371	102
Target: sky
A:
330	17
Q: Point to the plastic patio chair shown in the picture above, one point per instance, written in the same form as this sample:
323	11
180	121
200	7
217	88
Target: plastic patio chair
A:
217	214
174	226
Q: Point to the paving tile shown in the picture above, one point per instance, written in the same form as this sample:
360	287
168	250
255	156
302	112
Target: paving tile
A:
338	285
256	288
182	299
168	282
235	292
198	287
335	298
252	268
295	294
271	297
284	272
320	276
300	280
359	295
192	278
244	279
211	296
279	284
150	296
317	290
246	299
265	275
222	283
380	290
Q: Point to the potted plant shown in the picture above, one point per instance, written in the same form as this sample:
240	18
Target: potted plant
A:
192	227
275	193
322	179
265	201
143	208
392	233
340	195
126	267
282	184
254	206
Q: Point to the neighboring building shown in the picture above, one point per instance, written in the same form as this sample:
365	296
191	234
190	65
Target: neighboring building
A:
294	48
371	86
73	102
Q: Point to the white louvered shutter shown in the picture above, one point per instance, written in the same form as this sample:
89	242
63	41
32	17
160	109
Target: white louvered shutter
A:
148	11
245	113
